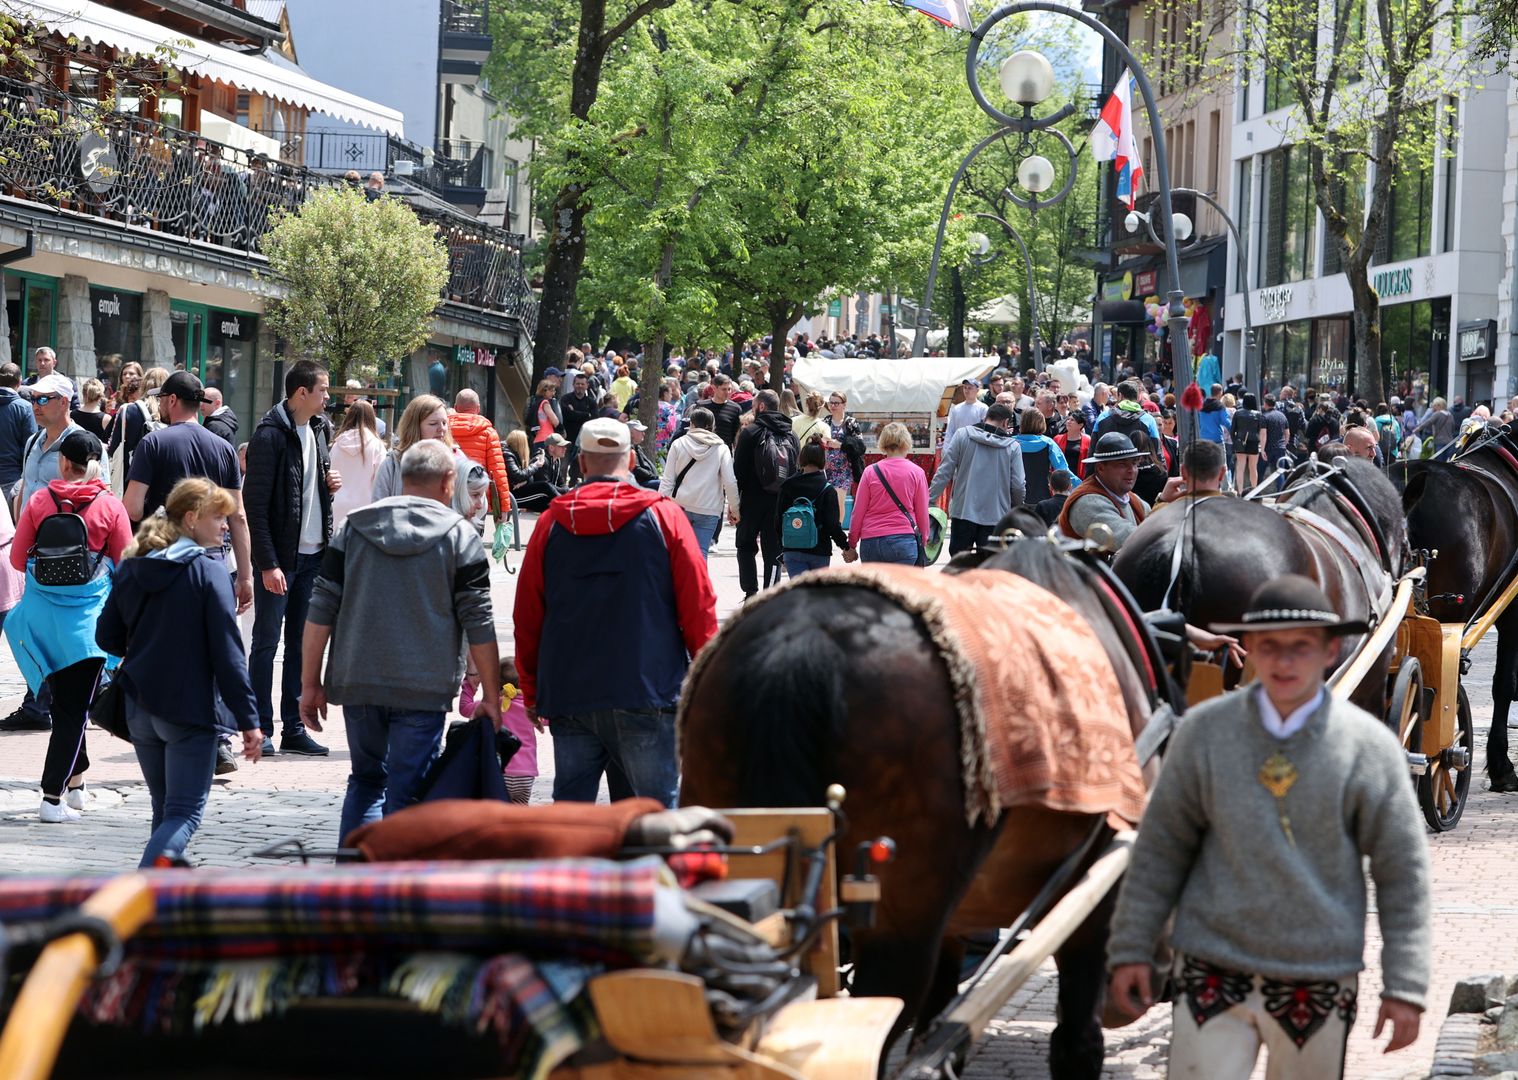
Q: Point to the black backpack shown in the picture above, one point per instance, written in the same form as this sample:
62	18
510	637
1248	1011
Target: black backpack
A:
774	459
61	550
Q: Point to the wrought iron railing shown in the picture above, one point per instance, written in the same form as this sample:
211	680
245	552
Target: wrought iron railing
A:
465	17
61	152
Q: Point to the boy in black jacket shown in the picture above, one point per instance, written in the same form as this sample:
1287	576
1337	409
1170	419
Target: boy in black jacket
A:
812	483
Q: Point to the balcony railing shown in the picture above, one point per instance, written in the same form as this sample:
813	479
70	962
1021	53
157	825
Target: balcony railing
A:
123	168
465	17
460	165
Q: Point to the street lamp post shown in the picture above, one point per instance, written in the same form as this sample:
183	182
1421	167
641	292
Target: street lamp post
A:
1250	365
1027	83
1038	349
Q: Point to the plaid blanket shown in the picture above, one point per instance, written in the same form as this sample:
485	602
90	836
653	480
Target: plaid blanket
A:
240	946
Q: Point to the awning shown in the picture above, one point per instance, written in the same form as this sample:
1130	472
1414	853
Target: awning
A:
908	385
89	21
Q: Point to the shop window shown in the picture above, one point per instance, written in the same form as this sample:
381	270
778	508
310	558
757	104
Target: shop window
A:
231	355
1288	218
1331	349
1242	215
1407	231
1285	355
1414	340
117	318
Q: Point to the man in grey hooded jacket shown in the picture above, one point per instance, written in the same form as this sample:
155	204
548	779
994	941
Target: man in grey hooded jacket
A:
985	465
403	589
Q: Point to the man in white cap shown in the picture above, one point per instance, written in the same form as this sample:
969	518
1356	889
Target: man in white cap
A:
644	472
624	718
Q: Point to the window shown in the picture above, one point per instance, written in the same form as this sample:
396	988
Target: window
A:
1448	236
1348	183
1408	229
244	109
1214	149
1288	218
1294	20
1241	216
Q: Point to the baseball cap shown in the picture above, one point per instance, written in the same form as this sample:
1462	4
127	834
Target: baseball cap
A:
637	425
181	384
603	435
49	384
969	382
555	371
556	440
81	447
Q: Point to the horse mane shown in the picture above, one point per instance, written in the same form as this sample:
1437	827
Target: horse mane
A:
1040	560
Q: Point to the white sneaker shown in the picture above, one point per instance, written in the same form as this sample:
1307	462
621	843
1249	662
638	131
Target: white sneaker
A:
74	798
58	813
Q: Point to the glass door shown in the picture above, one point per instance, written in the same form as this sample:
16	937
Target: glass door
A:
187	328
31	308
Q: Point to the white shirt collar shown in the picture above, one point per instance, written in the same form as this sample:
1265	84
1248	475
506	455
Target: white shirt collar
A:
1285	728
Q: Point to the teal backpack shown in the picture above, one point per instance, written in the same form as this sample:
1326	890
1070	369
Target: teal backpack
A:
798	526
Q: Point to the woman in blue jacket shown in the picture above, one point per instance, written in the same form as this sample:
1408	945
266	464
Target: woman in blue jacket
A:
1041	456
172	618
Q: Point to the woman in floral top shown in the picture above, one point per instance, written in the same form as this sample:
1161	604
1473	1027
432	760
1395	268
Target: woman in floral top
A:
845	447
669	416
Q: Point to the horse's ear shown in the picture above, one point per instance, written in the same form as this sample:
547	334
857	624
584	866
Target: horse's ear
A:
967	560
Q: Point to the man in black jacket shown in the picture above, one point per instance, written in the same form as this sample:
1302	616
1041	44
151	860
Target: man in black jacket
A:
578	406
288	495
757	526
645	473
218	418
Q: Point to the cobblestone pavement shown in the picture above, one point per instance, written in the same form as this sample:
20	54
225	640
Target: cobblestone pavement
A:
1475	906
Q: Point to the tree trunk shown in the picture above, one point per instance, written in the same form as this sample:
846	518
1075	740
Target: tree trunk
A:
780	326
563	262
649	378
957	304
1371	376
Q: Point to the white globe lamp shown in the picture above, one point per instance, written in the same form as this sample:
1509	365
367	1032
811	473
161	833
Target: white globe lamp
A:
1026	77
1035	174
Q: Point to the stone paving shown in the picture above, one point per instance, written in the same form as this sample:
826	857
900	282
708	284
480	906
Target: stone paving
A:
1475	906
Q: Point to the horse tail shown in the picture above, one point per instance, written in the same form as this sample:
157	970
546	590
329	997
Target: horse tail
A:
788	708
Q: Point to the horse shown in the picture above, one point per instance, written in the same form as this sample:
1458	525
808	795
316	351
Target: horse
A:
1467	511
843	684
1340	525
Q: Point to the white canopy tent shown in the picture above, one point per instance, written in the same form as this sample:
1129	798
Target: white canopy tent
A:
1003	310
935	338
905	385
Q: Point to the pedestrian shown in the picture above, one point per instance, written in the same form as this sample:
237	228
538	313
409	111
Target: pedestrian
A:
521	772
812	421
624	717
667	420
425	417
1203	469
890	519
984	463
1074	443
698	475
17	426
403	593
90	415
1060	483
49	399
764	456
528	475
1275	435
807	499
967	411
1212	423
52	629
1439	422
1273	802
1247	429
845	446
357	454
289	505
1041	457
577	406
45	365
725	411
477	439
623	388
544	411
645	472
218	417
355	394
1106	495
177	683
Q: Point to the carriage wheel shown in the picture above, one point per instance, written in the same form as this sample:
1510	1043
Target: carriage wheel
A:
1443	789
1406	706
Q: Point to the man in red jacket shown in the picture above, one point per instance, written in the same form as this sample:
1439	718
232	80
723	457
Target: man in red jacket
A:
477	437
624	560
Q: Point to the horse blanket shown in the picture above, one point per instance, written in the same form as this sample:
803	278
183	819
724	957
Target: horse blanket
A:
1042	717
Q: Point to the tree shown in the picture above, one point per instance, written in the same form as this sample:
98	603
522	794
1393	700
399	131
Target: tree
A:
526	71
1365	87
361	278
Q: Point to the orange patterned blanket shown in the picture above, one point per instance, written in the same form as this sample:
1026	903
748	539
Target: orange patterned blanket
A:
1042	718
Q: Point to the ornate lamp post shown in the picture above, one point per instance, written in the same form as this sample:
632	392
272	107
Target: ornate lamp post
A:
983	248
1027	79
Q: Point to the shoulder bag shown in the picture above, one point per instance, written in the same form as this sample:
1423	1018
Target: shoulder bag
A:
922	551
108	703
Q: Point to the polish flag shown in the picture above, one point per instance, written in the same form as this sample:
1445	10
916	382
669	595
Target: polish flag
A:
1112	139
955	13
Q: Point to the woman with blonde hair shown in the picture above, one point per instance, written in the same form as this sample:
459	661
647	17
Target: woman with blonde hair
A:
134	419
357	454
90	415
169	584
890	522
426	417
810	423
528	475
623	387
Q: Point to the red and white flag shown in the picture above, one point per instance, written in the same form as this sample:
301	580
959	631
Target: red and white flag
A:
1112	139
955	13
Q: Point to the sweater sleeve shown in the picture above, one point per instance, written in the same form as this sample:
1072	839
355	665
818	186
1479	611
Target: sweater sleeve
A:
527	614
674	461
1057	456
729	478
1019	478
944	475
224	640
1169	838
26	531
471	587
120	531
257	494
495	464
327	591
1390	831
920	502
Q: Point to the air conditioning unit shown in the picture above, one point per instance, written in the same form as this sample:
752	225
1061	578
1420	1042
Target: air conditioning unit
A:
403	167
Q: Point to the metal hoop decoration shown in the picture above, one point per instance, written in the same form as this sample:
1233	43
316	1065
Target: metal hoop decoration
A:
1023	123
1035	204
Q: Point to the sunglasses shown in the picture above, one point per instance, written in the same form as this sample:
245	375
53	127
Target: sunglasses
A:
44	399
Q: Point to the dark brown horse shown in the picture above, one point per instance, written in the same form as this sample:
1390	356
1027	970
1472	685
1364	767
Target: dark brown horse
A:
1341	526
1467	512
843	685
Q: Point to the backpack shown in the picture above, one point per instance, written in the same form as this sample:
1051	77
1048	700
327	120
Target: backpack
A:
120	463
1389	435
61	551
798	525
1130	424
774	460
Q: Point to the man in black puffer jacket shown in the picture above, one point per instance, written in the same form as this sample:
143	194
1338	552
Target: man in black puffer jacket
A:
288	495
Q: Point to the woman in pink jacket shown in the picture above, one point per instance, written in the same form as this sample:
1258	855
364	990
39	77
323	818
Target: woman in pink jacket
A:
890	519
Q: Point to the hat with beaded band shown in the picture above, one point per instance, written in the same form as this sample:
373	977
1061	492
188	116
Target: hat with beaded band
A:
1291	602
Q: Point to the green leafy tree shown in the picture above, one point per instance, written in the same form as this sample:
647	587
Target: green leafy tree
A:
361	278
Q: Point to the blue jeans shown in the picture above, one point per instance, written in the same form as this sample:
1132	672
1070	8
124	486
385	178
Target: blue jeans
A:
705	527
273	617
799	562
640	741
391	751
177	761
901	548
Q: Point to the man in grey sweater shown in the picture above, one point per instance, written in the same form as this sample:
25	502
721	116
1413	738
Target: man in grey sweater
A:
404	587
1268	801
985	464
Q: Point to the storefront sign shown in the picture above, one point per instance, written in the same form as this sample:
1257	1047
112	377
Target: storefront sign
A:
232	325
1143	284
1478	340
108	307
484	358
1275	302
1116	289
835	309
463	354
97	163
1397	282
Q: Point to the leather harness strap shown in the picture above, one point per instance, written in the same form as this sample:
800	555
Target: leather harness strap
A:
1377	584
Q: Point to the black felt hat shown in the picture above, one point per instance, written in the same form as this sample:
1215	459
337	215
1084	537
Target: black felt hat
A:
1291	602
